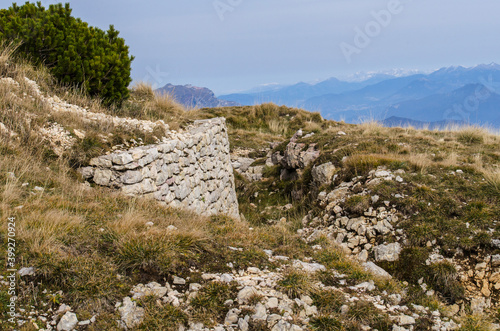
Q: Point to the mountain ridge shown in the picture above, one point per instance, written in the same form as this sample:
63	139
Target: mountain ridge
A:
193	97
378	97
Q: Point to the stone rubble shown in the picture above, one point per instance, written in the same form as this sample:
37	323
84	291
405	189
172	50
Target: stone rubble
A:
295	314
59	138
58	105
356	235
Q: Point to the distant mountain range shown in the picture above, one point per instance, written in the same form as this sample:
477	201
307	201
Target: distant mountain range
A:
195	97
449	95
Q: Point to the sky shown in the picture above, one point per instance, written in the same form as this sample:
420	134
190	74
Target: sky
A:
234	45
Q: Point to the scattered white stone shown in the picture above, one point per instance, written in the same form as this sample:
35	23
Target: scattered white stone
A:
231	317
260	312
172	228
131	315
246	293
63	309
226	278
26	271
376	270
308	267
67	322
388	252
253	270
179	281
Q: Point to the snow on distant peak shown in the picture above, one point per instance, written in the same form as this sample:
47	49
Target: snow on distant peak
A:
398	72
492	65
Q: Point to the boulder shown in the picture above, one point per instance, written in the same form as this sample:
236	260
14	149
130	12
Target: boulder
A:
67	322
388	252
375	269
131	315
246	293
495	260
299	156
323	174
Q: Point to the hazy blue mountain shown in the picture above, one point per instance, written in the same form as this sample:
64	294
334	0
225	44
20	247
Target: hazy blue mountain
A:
427	98
472	103
431	99
395	121
353	106
295	95
195	97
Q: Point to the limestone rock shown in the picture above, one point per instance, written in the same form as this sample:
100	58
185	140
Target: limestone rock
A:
131	315
299	156
323	174
150	289
67	322
376	270
246	293
26	271
260	313
231	317
388	252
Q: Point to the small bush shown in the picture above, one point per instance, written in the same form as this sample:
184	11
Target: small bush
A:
357	204
295	283
443	277
471	136
142	255
365	313
326	323
327	278
328	302
475	323
410	265
161	316
209	302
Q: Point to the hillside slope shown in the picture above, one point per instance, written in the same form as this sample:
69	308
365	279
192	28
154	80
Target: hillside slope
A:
343	227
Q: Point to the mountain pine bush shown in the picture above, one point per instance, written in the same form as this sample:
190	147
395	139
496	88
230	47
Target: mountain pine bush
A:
76	53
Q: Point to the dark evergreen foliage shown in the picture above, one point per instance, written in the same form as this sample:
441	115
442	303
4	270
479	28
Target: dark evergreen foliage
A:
76	53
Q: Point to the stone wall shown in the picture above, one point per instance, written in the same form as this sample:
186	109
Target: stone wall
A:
192	170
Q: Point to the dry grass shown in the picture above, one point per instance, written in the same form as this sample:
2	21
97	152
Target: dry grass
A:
470	134
475	323
43	231
451	160
491	174
143	90
312	126
7	50
372	127
277	126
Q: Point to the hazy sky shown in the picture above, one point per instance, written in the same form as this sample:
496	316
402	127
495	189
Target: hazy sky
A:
231	45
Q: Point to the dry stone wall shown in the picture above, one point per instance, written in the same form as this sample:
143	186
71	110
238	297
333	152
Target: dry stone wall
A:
191	171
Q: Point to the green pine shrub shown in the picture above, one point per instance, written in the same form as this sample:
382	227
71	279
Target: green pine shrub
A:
76	54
